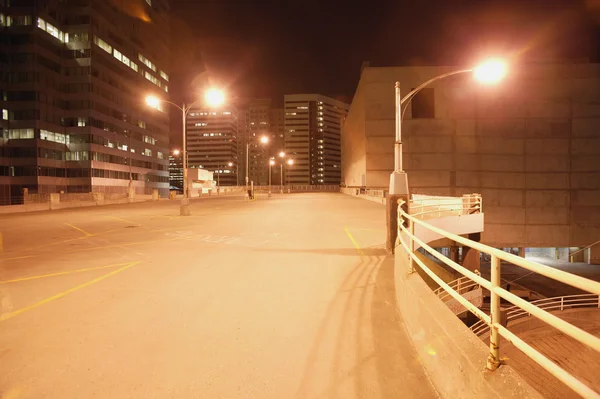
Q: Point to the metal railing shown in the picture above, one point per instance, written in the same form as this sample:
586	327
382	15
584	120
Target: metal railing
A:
406	227
558	303
460	285
572	254
437	207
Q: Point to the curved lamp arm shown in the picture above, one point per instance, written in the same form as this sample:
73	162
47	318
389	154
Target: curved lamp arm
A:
422	85
410	95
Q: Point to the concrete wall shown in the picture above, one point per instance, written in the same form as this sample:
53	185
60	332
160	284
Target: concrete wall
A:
530	145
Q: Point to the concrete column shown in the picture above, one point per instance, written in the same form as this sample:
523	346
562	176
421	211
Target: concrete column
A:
130	194
454	252
470	257
54	200
595	255
522	252
155	194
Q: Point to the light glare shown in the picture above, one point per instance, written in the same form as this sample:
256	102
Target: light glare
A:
152	101
176	152
264	139
490	71
271	162
214	97
290	161
282	154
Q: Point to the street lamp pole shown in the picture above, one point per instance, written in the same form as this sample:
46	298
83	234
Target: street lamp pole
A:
490	72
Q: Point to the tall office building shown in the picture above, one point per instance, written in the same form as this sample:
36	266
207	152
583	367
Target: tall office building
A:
258	124
313	138
74	76
176	172
212	142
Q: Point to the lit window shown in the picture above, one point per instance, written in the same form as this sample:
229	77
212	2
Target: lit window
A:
55	137
147	152
20	133
147	62
164	76
52	30
200	124
142	124
81	122
226	113
102	44
160	155
5	114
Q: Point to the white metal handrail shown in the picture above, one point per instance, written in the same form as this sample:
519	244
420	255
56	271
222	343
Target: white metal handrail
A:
559	303
436	207
572	254
406	226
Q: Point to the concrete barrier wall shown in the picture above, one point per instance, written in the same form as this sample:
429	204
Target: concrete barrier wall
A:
453	357
378	196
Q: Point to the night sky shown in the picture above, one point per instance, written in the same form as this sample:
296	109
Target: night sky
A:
269	48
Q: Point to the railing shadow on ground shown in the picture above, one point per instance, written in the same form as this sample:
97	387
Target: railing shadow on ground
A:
426	209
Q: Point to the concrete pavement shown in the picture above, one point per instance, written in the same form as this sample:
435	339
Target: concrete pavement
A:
284	297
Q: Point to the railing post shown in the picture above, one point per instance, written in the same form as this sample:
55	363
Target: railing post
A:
411	226
493	360
562	303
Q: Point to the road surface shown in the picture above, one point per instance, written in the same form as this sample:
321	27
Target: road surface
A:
283	297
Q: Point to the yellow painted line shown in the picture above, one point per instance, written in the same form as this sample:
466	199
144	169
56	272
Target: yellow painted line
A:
354	241
64	293
19	257
63	273
78	229
123	220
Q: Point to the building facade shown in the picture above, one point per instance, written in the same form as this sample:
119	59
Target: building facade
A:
212	142
176	172
530	145
313	138
262	119
73	117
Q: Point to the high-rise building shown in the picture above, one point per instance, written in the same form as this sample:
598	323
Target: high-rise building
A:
212	142
74	76
176	171
262	119
258	124
313	138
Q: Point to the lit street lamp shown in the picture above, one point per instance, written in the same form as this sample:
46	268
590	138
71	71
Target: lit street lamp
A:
263	140
489	72
213	98
290	162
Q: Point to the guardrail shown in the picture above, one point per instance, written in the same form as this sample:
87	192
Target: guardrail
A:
436	207
559	303
406	228
572	254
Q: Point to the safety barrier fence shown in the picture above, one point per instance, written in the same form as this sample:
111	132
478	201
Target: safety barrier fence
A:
408	240
553	304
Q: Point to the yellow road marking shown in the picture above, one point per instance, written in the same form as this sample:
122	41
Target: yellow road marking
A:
19	257
354	241
78	229
123	220
64	293
63	273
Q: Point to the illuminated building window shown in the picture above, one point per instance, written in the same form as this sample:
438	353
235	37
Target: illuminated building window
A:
52	30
